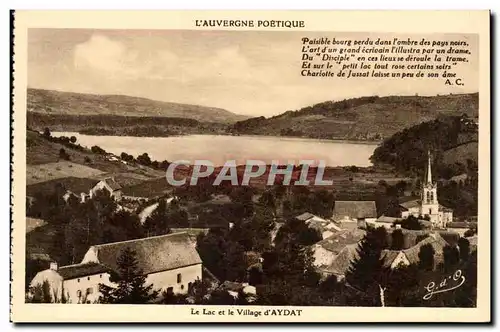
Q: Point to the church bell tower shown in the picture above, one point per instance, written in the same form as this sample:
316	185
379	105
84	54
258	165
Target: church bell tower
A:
430	205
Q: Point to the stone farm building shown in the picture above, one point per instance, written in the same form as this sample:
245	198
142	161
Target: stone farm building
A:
170	262
355	212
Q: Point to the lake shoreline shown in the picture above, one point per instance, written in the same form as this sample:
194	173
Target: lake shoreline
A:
326	140
219	149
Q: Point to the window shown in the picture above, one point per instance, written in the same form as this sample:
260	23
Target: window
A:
88	278
78	293
78	280
179	278
190	286
182	286
90	290
100	275
170	290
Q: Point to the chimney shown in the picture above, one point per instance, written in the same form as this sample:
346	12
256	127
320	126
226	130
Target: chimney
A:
53	266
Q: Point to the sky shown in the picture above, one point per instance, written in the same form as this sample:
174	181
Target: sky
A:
246	72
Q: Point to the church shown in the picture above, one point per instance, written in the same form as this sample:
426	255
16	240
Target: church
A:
428	205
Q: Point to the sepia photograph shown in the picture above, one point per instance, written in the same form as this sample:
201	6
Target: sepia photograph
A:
248	168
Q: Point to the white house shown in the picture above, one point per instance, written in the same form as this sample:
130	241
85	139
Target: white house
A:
78	282
109	184
170	262
384	221
325	227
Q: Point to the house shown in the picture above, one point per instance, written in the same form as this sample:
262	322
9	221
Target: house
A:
384	221
326	251
78	283
325	227
428	204
342	262
395	258
110	185
79	188
235	288
354	212
170	262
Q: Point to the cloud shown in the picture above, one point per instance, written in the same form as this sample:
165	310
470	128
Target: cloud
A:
112	59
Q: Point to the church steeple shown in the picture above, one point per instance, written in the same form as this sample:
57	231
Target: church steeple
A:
429	171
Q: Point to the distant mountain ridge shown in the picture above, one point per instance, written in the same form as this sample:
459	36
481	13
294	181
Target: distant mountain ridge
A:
71	103
365	118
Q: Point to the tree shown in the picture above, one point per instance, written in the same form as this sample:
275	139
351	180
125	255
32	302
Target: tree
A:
451	258
144	159
157	223
367	273
131	288
40	293
63	154
46	132
426	257
398	240
464	248
469	233
411	223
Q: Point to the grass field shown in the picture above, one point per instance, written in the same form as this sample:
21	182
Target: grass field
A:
57	170
43	164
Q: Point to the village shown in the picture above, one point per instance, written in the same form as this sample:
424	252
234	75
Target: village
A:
229	245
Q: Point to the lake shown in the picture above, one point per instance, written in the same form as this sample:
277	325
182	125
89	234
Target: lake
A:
219	148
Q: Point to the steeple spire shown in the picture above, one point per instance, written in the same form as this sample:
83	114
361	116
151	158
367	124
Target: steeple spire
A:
429	172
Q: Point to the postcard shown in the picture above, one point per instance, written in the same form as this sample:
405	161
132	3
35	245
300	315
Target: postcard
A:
251	166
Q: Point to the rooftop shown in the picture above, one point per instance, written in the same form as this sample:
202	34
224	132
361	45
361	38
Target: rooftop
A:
355	209
154	254
80	270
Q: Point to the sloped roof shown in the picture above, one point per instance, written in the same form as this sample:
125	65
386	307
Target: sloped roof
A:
231	286
112	184
388	256
154	254
386	219
355	209
340	240
434	239
80	270
343	261
305	216
411	204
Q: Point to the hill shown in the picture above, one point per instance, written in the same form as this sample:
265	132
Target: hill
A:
70	103
44	163
453	142
366	118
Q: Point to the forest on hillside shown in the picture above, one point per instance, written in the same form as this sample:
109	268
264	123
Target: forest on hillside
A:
407	150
